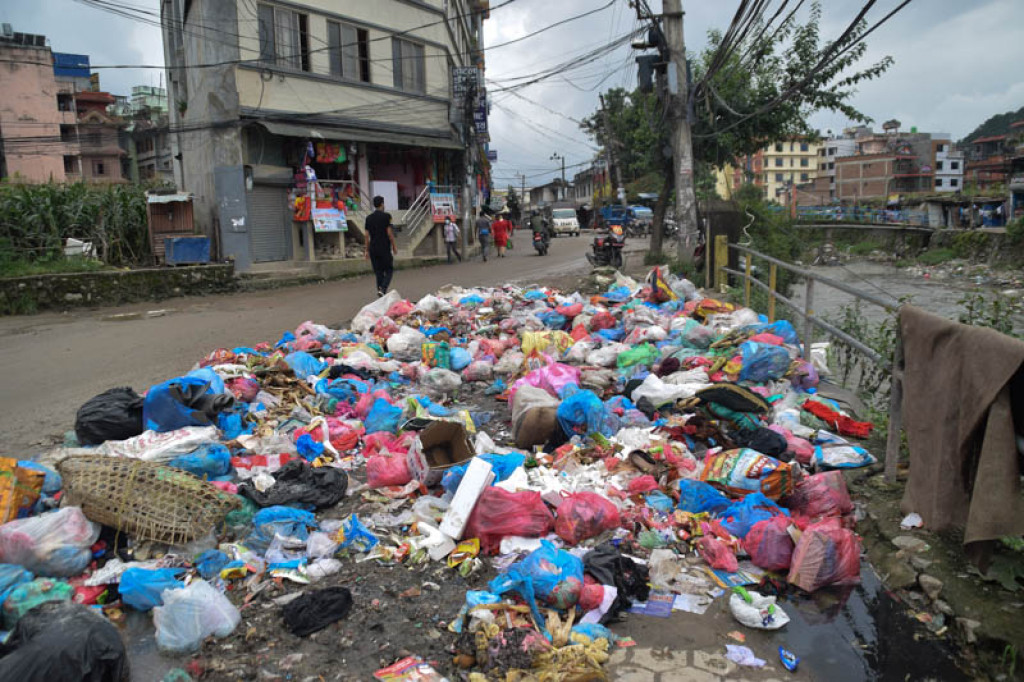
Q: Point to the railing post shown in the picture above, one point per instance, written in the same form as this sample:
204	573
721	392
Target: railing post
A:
894	441
721	260
746	279
773	272
808	312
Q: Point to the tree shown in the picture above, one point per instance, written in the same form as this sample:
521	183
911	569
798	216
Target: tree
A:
637	132
512	204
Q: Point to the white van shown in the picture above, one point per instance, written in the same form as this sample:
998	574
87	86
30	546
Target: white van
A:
563	221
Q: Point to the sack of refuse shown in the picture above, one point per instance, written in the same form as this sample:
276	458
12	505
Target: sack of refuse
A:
826	554
441	381
548	575
769	544
192	614
763	362
823	494
585	515
57	543
755	610
740	516
112	415
405	345
743	471
583	413
367	317
499	513
387	470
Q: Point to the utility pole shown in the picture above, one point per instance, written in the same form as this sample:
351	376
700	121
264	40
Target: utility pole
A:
610	153
556	157
679	108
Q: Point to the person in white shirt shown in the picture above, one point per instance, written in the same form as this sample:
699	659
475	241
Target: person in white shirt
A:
451	238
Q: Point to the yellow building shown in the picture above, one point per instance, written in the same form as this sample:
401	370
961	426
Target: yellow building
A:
784	163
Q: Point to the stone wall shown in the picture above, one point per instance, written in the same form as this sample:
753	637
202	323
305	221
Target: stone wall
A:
22	295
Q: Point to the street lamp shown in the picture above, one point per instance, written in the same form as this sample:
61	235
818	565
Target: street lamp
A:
558	157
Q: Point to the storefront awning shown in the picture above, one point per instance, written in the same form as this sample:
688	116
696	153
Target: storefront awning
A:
339	134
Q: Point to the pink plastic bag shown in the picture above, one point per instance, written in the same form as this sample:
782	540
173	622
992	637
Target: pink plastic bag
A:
399	308
243	388
490	347
570	311
500	514
769	544
385	327
385	470
820	495
585	515
801	448
366	401
827	554
717	554
770	339
385	442
551	378
642	484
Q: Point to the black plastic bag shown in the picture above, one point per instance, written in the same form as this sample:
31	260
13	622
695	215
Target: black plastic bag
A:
314	611
299	484
112	415
765	441
609	567
64	641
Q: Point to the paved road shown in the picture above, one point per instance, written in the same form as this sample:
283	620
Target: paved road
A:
51	363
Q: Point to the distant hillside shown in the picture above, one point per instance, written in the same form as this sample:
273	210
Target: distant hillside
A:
996	125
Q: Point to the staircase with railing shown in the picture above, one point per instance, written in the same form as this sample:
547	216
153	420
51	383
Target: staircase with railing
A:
416	223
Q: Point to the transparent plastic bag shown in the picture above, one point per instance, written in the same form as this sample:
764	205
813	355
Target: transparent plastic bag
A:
53	544
585	515
441	381
769	544
192	614
406	344
827	554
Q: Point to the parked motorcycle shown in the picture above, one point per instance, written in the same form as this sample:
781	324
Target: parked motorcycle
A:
607	249
540	242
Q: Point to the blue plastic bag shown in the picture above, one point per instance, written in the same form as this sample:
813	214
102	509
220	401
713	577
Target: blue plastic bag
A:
358	536
383	416
473	598
211	562
583	413
552	320
163	411
659	501
210	460
308	448
209	376
502	465
278	520
52	482
535	295
12	575
230	424
781	328
304	365
460	358
697	497
613	334
433	408
594	631
763	362
286	339
549	574
741	515
471	301
141	588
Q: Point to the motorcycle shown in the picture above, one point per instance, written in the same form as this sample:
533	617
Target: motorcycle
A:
607	249
540	242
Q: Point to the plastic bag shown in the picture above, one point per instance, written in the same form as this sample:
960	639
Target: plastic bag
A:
441	381
659	393
112	415
304	365
552	378
405	345
371	312
210	563
510	362
283	521
805	376
183	401
585	515
583	413
27	596
550	342
697	497
502	466
10	577
743	471
385	470
141	588
383	416
762	362
644	354
781	328
826	554
459	359
499	513
769	544
756	610
399	308
53	544
550	575
741	515
823	494
480	370
801	448
209	461
432	306
717	554
192	614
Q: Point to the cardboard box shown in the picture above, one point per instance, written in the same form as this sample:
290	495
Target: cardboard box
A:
439	447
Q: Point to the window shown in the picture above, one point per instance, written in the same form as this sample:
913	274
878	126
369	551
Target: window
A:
69	165
831	165
791	162
938	182
790	146
778	162
98	168
804	163
953	182
832	151
824	166
284	38
940	148
67	133
93	139
65	102
778	147
938	165
410	67
804	147
778	177
954	165
803	177
349	50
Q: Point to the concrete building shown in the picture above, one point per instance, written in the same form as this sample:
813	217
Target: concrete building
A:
387	95
589	181
550	193
774	169
988	161
949	166
149	97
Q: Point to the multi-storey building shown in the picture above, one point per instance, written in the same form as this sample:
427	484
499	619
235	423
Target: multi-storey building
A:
775	169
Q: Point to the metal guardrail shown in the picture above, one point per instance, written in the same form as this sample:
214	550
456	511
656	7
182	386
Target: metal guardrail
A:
811	321
857	214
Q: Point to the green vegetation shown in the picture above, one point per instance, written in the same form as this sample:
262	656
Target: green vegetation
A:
1015	231
998	124
936	256
865	247
22	268
35	221
991	310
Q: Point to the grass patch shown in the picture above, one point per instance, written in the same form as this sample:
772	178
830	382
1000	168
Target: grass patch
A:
863	248
19	268
936	257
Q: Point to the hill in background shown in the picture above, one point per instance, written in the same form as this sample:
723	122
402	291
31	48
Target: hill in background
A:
995	125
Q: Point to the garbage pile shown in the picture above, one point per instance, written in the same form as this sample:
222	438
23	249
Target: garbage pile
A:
556	459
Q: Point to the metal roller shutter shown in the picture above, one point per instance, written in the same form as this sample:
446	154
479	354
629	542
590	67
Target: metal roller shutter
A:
269	223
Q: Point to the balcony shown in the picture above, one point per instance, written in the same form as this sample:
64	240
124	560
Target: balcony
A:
1016	181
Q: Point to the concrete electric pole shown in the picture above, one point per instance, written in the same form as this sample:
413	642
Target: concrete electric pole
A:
558	157
679	108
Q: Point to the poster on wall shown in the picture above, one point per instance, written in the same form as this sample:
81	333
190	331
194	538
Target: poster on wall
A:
329	219
442	205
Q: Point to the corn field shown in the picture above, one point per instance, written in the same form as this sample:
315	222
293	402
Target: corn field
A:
35	221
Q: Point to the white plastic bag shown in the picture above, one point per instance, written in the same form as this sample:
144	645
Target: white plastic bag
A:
191	614
606	356
439	380
161	447
760	612
432	306
660	393
577	354
367	317
54	544
510	363
406	344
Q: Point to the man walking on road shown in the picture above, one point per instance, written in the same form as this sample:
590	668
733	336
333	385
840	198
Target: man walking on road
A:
451	238
380	245
483	233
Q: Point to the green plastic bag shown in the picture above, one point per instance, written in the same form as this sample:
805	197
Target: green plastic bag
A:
644	354
239	520
27	596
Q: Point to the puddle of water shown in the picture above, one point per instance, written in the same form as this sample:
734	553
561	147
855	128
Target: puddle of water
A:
139	636
863	634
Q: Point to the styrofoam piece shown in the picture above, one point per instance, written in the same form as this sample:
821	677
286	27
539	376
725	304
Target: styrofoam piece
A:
478	476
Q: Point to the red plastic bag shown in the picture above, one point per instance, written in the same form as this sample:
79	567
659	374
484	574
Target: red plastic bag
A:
384	442
827	554
603	320
399	308
500	514
769	544
579	333
385	327
642	484
820	495
717	554
585	515
385	470
570	311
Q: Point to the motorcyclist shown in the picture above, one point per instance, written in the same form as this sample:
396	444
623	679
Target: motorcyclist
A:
538	224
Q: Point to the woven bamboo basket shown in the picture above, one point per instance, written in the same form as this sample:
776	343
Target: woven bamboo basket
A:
148	500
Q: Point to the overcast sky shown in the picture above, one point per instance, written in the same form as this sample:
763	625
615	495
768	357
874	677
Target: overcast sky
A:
956	63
